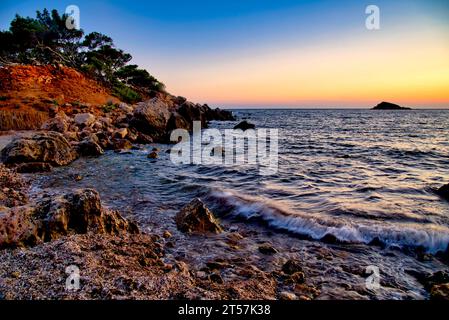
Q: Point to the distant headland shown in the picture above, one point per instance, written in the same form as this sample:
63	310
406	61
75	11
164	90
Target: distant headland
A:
389	106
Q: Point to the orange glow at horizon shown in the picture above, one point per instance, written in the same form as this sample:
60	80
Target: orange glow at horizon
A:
409	70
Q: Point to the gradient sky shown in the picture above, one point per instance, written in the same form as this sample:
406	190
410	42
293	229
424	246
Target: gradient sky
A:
278	53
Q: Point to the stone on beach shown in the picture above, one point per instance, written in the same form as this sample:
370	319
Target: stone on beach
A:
196	217
76	212
50	147
84	119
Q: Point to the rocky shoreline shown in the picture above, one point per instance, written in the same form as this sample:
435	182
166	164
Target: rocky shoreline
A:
41	235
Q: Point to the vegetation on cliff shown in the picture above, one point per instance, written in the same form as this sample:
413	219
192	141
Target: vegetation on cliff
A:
45	40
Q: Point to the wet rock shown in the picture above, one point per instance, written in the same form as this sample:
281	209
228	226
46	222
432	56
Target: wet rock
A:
49	147
215	277
84	119
152	155
285	295
291	267
244	125
440	292
267	248
121	144
443	192
33	167
196	217
89	147
77	212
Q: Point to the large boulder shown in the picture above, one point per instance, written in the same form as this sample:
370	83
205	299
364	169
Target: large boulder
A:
84	119
195	217
89	147
60	123
53	217
50	147
151	117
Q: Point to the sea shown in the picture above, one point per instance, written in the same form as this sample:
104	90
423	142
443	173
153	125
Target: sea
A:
358	185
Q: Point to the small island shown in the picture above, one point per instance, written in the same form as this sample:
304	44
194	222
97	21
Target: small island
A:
389	106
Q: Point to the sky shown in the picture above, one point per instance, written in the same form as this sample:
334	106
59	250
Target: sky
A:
278	53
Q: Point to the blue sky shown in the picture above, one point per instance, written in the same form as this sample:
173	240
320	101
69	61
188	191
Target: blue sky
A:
220	51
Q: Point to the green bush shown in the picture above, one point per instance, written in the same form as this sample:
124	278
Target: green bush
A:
126	94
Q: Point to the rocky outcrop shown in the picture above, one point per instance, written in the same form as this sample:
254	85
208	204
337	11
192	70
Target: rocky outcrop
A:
78	212
49	147
195	217
389	106
244	125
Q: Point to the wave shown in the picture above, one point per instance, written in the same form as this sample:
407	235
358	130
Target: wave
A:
433	238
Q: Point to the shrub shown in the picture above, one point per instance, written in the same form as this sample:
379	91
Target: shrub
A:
126	94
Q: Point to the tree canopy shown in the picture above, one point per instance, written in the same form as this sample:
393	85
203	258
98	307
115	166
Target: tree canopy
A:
46	40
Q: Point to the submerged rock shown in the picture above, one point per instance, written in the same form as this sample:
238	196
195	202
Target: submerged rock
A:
78	212
152	155
196	217
244	125
49	147
440	292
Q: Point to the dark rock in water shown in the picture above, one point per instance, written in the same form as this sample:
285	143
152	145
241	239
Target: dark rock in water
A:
33	167
330	238
291	267
49	147
88	147
143	138
196	217
389	106
267	248
152	155
440	292
443	192
77	212
121	144
245	125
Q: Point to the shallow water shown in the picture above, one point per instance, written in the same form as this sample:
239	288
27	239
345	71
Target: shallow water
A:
364	177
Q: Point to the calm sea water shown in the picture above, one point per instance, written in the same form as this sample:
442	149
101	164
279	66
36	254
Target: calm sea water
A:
361	176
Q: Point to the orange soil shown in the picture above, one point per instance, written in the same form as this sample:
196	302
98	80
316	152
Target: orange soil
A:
39	87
